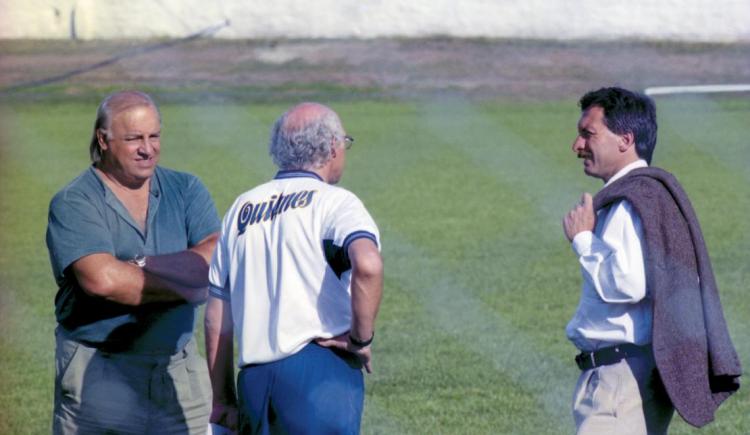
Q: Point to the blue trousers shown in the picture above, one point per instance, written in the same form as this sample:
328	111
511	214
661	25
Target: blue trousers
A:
315	391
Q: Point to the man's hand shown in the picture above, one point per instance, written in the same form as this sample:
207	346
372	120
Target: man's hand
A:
225	415
580	218
342	342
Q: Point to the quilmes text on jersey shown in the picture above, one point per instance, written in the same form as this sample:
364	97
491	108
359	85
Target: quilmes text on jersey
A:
251	214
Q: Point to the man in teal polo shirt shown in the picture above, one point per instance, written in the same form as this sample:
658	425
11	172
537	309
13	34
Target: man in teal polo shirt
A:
130	243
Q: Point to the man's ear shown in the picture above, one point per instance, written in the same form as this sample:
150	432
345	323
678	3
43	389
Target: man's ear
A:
333	152
101	137
627	141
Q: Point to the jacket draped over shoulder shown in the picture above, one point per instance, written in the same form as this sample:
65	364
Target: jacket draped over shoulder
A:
694	354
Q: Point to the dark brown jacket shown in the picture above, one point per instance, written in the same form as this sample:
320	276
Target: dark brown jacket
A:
694	353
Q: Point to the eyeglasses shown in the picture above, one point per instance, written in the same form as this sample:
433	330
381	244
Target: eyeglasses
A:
348	142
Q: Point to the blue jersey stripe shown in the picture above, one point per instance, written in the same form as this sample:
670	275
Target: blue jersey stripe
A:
296	173
358	235
218	293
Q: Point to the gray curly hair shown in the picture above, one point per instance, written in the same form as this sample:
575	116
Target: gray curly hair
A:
305	146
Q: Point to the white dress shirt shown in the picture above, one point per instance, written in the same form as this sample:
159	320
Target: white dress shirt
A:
614	306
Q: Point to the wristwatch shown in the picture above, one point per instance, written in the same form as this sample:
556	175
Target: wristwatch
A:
139	260
360	343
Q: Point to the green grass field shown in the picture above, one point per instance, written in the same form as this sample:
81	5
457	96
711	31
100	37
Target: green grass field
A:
480	280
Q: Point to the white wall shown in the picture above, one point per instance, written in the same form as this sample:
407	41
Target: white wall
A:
690	20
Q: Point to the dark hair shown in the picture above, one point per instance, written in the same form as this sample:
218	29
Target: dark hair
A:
627	112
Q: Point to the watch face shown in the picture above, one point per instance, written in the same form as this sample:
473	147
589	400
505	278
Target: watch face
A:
140	261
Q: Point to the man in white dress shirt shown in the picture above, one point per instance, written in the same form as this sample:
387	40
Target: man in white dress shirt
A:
619	390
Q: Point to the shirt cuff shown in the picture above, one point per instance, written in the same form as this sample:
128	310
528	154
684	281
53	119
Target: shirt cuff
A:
582	243
358	235
219	293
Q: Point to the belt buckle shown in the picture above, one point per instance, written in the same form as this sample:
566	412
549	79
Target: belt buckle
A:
585	357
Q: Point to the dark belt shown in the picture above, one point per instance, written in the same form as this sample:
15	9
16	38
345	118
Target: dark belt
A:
611	355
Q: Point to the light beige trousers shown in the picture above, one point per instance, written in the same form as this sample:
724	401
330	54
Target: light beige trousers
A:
102	393
623	398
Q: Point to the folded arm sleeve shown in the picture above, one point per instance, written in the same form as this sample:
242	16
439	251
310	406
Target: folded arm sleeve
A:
75	229
613	263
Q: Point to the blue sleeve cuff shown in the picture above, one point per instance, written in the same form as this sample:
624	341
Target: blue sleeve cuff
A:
359	235
219	293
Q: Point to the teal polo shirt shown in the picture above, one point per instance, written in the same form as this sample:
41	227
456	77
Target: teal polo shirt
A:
86	218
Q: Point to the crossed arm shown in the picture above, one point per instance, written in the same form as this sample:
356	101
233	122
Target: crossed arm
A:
181	276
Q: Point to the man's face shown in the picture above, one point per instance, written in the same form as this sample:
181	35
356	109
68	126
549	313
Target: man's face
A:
598	146
132	144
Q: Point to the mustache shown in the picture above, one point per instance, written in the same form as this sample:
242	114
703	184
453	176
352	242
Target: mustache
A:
583	155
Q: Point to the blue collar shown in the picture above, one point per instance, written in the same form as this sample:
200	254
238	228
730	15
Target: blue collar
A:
296	173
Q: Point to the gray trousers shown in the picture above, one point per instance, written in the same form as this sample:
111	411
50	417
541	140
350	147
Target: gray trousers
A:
623	398
98	392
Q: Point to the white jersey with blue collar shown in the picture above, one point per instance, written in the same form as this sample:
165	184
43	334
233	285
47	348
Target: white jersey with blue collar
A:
282	261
